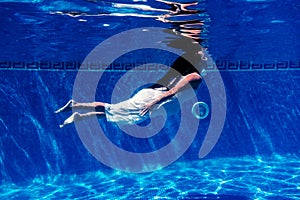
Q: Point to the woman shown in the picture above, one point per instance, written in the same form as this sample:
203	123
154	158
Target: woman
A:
148	100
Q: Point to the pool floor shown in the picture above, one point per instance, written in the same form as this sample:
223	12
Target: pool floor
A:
276	177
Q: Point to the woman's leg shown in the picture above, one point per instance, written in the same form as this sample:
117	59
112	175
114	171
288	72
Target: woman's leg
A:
88	105
77	116
73	104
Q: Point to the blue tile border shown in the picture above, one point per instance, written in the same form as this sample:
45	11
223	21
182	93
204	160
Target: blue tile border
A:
222	65
226	65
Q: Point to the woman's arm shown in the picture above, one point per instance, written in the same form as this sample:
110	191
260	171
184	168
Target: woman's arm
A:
179	86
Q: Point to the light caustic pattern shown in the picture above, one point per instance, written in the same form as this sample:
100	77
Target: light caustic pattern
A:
92	134
224	178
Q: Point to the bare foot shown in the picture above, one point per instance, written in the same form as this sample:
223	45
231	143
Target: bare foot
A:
66	107
75	116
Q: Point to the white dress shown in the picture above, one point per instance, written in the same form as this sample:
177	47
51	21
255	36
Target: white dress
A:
128	112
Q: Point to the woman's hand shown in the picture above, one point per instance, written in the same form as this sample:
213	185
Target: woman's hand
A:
146	108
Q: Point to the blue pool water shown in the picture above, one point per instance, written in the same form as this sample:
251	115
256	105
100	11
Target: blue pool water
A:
255	45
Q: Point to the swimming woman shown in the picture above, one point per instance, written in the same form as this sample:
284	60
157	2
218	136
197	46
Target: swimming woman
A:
147	101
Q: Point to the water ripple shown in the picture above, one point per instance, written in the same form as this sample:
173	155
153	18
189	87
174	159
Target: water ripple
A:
186	18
